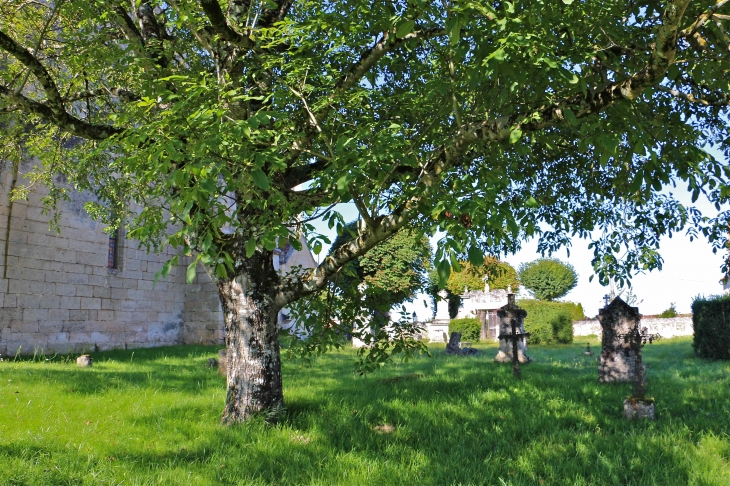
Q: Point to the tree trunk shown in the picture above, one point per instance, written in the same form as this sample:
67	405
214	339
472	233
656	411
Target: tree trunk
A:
253	359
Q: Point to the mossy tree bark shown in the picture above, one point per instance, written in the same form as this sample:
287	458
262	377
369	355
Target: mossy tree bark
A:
254	383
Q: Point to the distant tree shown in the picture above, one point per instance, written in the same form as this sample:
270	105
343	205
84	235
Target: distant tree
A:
548	278
394	271
670	312
500	276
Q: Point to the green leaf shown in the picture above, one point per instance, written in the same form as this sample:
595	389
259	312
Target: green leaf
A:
405	28
250	247
190	273
444	270
515	135
260	179
220	271
476	256
532	202
455	33
164	271
636	183
570	117
568	2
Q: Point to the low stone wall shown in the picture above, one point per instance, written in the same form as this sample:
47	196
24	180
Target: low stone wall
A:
666	328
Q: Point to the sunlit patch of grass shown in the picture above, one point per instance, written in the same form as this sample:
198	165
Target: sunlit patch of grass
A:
152	417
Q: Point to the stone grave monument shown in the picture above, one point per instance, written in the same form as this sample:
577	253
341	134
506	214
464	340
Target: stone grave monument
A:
638	405
512	335
438	328
618	357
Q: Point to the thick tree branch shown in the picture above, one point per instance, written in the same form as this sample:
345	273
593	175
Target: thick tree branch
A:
692	99
274	15
152	33
127	25
53	109
300	174
61	119
220	25
384	228
121	93
350	77
702	19
499	129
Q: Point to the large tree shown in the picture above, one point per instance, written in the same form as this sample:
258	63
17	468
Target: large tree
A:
228	125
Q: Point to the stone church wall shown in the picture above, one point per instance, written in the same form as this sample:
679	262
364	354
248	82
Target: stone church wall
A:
57	294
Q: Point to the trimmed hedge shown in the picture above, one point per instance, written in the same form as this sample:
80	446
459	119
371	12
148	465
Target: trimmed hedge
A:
711	322
548	322
578	314
470	329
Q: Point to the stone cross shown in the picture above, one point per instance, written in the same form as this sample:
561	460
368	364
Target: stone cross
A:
636	340
512	335
515	337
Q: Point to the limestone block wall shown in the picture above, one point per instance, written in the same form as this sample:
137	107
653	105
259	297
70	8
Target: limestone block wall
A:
203	316
667	328
59	295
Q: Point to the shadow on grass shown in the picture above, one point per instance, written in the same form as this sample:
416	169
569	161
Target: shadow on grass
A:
453	421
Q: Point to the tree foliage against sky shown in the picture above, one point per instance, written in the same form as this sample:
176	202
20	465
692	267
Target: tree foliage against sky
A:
489	121
548	278
393	271
500	275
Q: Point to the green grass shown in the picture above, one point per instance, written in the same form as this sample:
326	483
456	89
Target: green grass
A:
152	417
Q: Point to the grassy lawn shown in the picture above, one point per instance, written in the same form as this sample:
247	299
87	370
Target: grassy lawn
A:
151	417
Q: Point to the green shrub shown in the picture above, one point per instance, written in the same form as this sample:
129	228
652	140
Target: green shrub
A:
711	322
669	313
470	329
548	322
578	314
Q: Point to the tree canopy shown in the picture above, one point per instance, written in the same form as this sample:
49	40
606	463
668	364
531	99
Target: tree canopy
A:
393	272
548	278
221	127
499	274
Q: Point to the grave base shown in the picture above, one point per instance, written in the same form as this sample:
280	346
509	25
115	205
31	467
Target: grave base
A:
639	409
503	357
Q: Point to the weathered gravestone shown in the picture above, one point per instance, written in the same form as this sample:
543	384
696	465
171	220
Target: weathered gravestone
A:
638	405
618	357
512	335
440	325
453	347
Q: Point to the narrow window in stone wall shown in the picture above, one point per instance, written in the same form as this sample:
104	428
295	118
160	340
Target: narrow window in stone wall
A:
112	260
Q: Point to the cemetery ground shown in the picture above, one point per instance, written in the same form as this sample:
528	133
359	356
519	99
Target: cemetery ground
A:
151	416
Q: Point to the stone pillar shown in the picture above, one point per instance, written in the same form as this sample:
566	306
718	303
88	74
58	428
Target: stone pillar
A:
482	316
442	307
505	315
438	328
618	360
